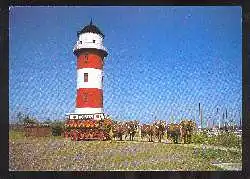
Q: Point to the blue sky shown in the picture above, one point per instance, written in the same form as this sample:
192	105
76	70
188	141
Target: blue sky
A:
162	61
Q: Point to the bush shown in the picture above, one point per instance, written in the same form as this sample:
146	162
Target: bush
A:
200	138
14	135
225	139
228	139
57	128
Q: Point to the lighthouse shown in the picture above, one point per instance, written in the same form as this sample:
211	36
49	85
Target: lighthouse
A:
90	53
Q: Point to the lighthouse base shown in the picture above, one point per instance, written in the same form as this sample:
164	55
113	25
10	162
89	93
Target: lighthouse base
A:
88	110
87	126
96	116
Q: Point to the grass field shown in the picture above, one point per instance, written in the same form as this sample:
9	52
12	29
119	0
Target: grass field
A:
57	153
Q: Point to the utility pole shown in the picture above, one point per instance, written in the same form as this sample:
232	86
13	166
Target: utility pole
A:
233	121
226	122
240	121
172	116
152	114
213	124
217	116
200	114
208	122
223	118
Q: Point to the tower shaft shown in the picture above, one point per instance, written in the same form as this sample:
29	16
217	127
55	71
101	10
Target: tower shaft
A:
89	98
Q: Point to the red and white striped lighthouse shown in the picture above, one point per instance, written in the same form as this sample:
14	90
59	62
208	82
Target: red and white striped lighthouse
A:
90	54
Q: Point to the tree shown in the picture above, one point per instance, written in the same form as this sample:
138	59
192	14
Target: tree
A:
29	120
48	121
57	127
24	119
20	117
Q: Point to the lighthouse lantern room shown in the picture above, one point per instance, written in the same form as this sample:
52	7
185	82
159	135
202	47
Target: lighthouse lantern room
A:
90	54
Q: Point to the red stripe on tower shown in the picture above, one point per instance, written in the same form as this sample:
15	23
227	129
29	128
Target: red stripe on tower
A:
89	97
89	61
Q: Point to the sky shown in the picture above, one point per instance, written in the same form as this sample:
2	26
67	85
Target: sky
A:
162	61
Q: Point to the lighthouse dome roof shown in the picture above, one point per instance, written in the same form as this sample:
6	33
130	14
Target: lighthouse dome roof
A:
90	28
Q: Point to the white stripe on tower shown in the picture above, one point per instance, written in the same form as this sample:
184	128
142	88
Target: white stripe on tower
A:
88	110
94	78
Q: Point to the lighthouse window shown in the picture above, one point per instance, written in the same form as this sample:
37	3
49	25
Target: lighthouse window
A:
93	41
85	58
80	42
85	97
85	77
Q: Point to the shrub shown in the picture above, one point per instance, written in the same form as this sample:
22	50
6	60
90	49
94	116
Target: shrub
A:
228	139
225	139
57	128
200	138
14	135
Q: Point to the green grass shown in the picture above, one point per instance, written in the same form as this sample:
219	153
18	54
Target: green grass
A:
14	135
225	139
57	153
